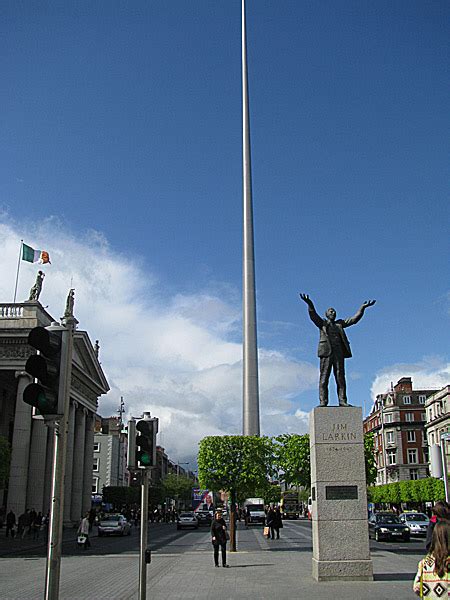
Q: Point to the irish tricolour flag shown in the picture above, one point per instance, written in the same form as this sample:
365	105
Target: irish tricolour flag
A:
30	255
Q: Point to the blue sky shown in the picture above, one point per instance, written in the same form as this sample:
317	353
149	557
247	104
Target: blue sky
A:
121	154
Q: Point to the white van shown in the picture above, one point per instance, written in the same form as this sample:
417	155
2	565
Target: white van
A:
254	511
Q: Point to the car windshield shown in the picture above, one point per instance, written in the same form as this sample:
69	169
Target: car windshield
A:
112	518
186	515
417	517
388	519
256	507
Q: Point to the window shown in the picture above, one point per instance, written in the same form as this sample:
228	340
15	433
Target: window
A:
95	485
422	399
391	456
96	446
414	473
406	399
388	418
95	465
423	416
412	455
411	436
390	437
426	457
409	417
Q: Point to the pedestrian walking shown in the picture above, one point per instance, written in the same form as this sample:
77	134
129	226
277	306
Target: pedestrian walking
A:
270	521
25	523
219	537
83	532
277	522
431	581
441	512
11	524
36	526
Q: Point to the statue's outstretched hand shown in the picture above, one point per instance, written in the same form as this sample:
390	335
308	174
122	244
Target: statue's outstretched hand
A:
368	303
306	299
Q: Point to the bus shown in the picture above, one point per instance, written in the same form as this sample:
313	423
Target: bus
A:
290	506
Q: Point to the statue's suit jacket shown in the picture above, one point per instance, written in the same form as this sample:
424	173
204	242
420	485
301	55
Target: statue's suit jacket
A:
324	348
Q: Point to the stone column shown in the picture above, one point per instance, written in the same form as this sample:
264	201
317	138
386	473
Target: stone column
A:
69	463
18	473
36	467
338	491
78	465
88	462
48	471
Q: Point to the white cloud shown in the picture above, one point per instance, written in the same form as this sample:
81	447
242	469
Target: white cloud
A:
430	373
179	357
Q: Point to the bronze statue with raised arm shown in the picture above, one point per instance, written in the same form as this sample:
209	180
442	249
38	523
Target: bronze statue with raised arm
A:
334	347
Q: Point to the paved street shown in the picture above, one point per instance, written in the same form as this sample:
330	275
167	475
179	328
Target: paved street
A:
182	567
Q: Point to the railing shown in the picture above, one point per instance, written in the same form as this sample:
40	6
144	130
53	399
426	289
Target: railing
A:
11	311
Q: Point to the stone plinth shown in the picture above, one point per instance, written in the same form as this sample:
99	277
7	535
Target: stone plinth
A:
339	499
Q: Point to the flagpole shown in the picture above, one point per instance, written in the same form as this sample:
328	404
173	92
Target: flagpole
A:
18	269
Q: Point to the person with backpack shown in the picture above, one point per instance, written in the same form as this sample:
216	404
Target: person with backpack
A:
431	581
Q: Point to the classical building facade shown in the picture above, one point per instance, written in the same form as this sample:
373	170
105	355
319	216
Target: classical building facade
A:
437	409
110	455
397	420
31	441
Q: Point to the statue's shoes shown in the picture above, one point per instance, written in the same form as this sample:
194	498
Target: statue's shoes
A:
344	404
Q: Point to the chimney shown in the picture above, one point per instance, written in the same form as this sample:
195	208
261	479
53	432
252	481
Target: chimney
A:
403	385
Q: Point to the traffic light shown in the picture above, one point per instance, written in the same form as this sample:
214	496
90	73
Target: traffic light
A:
145	443
44	367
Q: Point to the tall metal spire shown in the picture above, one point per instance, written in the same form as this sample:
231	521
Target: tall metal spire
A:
250	362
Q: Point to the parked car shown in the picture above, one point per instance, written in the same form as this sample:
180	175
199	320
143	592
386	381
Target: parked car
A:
204	517
113	525
387	526
416	521
187	519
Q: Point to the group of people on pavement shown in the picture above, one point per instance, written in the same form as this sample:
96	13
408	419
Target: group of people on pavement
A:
29	524
274	522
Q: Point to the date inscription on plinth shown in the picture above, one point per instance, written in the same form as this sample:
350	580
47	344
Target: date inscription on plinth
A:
341	492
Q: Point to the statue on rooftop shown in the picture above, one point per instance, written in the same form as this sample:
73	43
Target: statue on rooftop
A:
36	290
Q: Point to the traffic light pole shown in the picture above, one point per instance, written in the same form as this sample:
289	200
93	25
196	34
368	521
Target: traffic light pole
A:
60	425
144	536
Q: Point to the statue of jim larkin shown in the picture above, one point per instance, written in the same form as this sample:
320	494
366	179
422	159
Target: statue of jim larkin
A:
334	347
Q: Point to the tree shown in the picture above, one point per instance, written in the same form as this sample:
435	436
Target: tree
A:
292	457
371	466
271	492
178	487
5	459
236	464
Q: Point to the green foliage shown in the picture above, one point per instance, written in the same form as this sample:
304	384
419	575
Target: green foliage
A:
235	463
406	491
5	459
120	495
419	490
292	457
270	492
371	467
178	487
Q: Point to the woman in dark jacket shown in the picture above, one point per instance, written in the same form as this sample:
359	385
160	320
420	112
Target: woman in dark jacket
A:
277	522
441	512
219	539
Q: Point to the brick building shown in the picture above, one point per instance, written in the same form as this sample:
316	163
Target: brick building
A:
397	420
